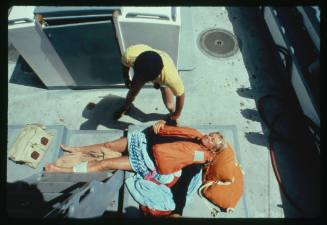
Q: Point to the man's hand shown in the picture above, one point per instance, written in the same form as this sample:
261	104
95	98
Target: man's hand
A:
120	112
158	125
174	116
172	120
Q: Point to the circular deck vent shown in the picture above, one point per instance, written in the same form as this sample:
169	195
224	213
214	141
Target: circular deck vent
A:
218	43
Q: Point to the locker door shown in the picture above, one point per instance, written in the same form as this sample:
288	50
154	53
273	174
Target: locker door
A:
88	48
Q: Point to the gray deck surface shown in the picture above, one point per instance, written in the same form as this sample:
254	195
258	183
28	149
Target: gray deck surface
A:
220	93
52	185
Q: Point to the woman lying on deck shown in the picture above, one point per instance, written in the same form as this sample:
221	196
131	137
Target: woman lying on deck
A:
181	137
160	153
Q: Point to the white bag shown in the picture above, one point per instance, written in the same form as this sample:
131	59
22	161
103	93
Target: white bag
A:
31	145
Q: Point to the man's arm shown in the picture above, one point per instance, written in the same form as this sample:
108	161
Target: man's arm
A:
135	89
179	107
126	76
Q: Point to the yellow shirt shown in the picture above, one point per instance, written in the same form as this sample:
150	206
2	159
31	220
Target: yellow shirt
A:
169	75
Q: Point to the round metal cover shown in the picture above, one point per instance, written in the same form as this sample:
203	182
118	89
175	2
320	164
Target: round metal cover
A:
218	43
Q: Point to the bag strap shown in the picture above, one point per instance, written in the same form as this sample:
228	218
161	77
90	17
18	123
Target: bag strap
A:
214	210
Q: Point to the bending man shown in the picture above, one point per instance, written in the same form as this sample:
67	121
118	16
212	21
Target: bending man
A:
155	66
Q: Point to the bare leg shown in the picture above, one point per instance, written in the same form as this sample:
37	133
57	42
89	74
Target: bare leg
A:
168	99
120	163
51	167
119	145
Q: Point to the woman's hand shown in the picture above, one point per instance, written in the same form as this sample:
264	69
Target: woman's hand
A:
158	125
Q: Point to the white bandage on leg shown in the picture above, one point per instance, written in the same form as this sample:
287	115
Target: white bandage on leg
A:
80	167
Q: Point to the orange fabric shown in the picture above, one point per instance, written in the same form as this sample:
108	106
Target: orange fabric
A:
226	196
223	168
171	157
180	132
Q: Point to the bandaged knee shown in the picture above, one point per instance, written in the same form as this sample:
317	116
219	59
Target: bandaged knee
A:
80	167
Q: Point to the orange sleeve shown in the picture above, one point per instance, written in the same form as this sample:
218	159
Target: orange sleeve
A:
171	157
179	131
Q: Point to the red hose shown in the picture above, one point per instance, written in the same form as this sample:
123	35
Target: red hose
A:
279	180
277	137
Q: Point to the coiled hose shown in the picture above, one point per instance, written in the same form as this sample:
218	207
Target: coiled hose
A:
275	136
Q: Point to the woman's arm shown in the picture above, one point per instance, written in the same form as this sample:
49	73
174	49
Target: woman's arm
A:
133	91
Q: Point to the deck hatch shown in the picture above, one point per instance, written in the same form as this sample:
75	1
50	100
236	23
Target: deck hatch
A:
218	43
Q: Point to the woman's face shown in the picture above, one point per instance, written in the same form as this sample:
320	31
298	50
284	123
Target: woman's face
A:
210	140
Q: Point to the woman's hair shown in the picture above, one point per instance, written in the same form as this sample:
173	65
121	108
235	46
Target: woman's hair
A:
147	66
220	143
